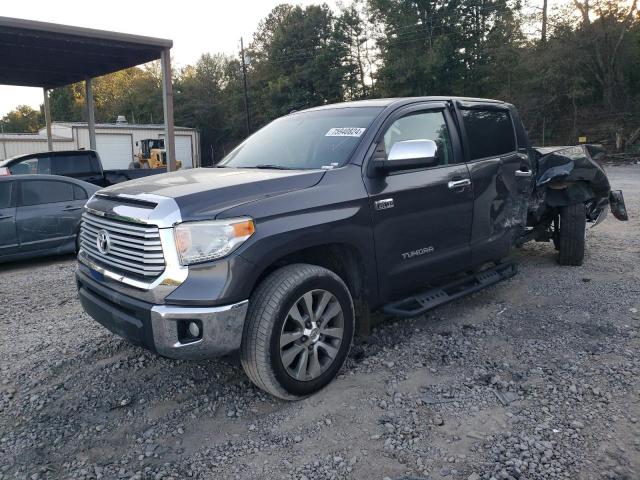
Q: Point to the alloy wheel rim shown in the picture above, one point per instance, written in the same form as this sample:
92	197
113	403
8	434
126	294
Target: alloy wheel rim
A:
311	335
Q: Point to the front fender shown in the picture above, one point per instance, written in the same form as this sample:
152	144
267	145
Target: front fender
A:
335	211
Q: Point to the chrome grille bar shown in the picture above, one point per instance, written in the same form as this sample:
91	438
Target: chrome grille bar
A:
133	248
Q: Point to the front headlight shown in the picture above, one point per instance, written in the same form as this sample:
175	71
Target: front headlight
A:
207	240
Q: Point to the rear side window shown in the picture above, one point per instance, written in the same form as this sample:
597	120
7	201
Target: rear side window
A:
32	165
79	193
73	164
5	194
38	192
490	133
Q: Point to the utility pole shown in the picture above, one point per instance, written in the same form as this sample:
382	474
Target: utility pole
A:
246	92
4	144
544	21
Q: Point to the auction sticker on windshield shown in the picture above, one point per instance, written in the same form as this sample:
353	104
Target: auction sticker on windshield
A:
345	132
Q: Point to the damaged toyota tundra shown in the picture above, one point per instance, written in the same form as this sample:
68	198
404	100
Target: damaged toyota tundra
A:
282	250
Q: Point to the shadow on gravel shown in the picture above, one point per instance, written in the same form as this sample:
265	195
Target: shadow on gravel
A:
17	265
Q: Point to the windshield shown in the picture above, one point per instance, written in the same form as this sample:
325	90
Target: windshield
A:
305	140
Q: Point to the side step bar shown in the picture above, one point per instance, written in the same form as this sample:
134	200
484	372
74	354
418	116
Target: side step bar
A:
422	302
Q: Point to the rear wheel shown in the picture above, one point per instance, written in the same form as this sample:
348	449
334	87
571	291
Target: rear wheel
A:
571	237
298	331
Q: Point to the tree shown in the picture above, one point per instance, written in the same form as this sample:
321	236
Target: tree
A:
297	61
603	39
23	119
66	104
208	97
352	31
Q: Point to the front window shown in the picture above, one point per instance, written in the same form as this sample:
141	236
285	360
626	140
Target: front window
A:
40	165
305	140
422	126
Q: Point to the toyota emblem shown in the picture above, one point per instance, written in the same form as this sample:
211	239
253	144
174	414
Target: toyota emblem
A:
103	242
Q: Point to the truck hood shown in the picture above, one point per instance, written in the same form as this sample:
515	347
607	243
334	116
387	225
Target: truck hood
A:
202	193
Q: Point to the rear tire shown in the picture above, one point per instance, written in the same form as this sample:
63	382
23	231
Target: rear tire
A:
294	369
571	238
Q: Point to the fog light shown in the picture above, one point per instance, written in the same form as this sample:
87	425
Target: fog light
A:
194	329
189	331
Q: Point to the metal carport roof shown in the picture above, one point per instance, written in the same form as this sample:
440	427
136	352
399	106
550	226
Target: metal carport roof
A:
49	55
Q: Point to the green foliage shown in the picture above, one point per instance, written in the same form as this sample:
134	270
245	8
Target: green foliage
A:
296	61
23	119
66	104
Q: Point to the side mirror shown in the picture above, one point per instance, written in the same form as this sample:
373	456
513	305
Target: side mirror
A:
409	154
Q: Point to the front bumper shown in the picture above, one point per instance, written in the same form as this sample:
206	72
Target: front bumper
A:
158	327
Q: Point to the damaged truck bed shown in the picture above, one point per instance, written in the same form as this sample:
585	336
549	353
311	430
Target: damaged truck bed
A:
569	184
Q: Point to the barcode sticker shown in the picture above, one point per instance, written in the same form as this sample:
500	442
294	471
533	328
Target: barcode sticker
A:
345	132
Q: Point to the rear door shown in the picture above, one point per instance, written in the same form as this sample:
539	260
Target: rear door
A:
501	175
421	217
48	214
8	236
84	166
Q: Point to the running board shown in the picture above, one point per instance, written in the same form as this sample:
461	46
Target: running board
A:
422	302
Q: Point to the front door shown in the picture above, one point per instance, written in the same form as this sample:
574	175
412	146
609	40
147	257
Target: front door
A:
8	237
422	217
501	176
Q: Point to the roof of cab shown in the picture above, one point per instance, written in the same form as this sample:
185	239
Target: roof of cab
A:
26	156
399	101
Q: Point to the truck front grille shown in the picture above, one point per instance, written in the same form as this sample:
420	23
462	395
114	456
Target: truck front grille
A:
124	247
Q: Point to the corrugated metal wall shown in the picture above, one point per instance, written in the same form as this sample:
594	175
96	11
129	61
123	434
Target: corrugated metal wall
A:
22	146
33	144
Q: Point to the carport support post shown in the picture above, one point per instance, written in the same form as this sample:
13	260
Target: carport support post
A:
47	118
91	117
167	103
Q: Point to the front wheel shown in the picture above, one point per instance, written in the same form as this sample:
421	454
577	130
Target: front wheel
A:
298	331
571	237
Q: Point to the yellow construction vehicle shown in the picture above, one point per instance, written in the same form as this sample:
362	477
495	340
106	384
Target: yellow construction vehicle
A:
152	154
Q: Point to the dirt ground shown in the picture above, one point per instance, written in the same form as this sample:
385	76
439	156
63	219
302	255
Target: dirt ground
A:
536	377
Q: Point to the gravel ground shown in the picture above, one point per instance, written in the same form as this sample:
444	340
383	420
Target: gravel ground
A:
534	378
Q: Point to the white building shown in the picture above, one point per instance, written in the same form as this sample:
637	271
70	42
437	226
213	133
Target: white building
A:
115	142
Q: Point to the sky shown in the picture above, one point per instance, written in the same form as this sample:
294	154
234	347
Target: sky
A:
196	27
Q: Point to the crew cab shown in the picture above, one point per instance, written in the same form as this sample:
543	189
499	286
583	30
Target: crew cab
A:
322	216
83	165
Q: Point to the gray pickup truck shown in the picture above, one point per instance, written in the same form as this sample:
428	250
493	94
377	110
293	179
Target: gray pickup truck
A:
324	215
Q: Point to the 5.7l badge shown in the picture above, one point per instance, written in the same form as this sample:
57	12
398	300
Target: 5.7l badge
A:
383	204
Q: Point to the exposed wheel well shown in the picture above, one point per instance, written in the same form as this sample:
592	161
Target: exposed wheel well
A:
346	262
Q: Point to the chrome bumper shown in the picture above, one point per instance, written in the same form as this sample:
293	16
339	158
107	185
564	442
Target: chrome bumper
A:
162	328
221	330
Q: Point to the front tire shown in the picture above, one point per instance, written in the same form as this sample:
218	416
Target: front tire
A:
298	331
571	238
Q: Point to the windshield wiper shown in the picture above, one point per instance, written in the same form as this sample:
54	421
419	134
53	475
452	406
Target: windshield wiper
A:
268	166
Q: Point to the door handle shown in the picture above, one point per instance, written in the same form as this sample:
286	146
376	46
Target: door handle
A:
454	184
70	209
523	173
4	217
